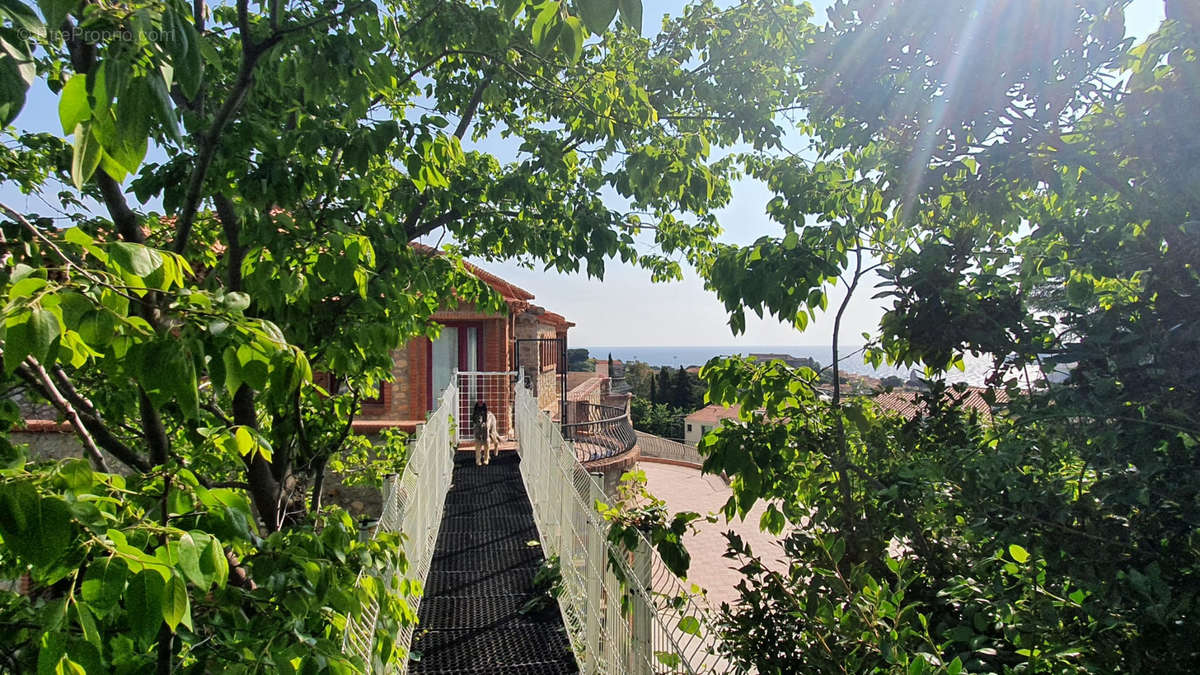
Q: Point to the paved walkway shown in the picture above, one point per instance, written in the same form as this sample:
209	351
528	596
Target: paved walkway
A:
686	489
480	578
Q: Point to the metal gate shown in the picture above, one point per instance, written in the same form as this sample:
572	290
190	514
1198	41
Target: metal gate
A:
551	352
495	389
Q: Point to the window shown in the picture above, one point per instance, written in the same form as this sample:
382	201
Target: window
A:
379	398
704	429
549	353
689	426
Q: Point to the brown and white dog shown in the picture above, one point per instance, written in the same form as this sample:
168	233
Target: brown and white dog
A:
486	432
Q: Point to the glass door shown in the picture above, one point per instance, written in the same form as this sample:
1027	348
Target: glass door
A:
443	363
458	349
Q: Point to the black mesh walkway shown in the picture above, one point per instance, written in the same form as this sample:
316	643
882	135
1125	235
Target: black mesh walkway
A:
481	576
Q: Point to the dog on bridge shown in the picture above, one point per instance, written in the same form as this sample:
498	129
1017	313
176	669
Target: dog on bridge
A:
486	431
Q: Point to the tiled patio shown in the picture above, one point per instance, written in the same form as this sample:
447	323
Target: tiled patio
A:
686	489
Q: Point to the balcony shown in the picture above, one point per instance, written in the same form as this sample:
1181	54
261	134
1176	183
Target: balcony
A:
599	432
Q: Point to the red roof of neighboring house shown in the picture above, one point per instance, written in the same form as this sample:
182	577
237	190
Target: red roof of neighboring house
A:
576	378
714	413
584	389
907	405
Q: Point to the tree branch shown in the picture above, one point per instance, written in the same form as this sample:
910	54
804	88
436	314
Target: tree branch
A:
128	223
231	226
32	371
153	429
410	223
95	424
208	142
843	463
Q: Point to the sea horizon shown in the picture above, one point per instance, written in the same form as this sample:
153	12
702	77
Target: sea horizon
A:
850	357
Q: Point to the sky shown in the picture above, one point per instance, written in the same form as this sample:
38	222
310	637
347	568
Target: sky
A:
626	309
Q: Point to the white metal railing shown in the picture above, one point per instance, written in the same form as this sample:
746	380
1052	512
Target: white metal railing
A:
494	389
657	447
664	629
412	505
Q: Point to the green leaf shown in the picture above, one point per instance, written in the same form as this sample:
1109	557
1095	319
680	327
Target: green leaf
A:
772	520
233	369
144	604
37	528
17	71
175	603
25	288
1018	553
86	156
213	563
244	439
52	652
690	625
135	258
509	9
571	38
668	659
161	98
43	329
23	16
631	14
104	584
189	552
598	14
87	623
189	66
546	19
73	106
55	12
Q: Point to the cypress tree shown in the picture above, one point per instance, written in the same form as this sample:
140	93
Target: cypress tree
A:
665	395
681	390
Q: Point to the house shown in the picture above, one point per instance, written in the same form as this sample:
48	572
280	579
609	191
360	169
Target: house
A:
908	404
704	420
524	337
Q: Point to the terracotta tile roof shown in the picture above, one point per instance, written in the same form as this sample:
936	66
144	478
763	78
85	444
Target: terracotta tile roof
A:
555	319
584	389
574	379
43	427
543	315
713	414
907	405
511	292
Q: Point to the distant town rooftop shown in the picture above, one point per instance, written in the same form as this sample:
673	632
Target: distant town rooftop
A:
908	404
713	414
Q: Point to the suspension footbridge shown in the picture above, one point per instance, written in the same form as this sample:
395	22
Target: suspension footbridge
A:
477	536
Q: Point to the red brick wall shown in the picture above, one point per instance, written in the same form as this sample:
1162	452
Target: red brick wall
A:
416	386
406	397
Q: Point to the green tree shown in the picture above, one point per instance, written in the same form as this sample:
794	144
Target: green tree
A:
660	419
580	360
639	377
683	390
1025	189
666	392
296	150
